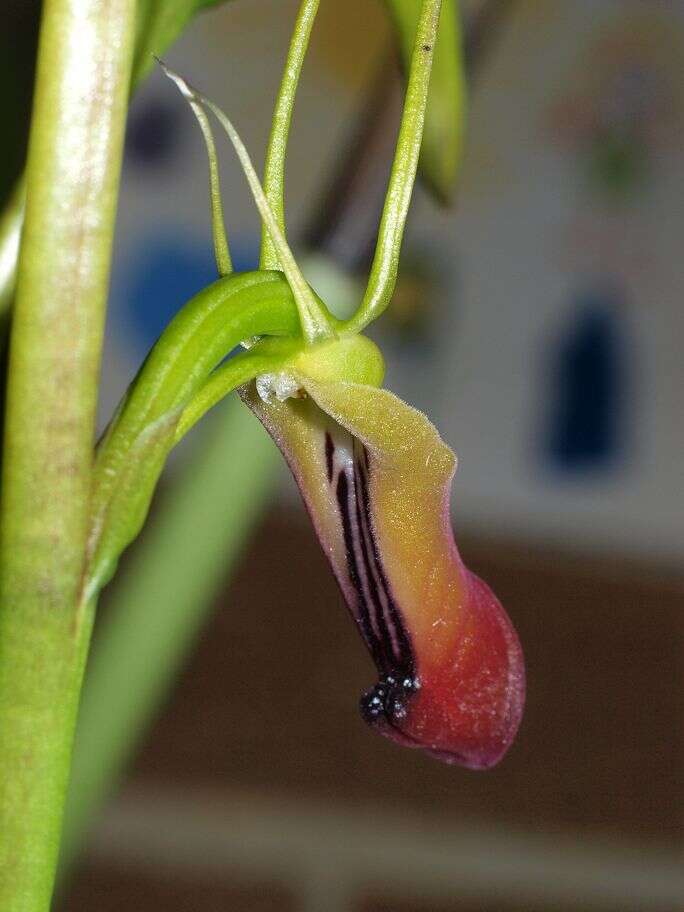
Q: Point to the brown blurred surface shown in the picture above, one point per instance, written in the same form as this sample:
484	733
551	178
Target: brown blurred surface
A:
395	903
266	709
268	701
111	888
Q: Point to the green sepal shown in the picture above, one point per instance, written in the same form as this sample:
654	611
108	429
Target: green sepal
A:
123	515
267	356
441	151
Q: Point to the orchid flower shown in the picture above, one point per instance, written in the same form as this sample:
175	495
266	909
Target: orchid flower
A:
373	472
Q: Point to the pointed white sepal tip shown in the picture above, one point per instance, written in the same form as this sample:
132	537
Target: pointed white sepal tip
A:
175	77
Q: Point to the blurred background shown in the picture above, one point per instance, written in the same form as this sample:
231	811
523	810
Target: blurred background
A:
539	322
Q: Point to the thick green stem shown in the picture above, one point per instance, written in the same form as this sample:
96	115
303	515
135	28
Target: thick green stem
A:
383	274
274	170
74	160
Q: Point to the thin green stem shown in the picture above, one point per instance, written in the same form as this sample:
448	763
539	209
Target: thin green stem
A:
274	169
383	273
316	322
221	249
440	153
224	263
74	160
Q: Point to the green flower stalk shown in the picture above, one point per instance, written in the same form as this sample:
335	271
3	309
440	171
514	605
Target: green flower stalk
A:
74	158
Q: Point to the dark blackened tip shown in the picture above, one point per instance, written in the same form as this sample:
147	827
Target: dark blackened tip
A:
372	705
387	702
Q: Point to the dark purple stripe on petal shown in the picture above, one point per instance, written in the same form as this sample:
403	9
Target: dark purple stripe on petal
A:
363	618
401	644
329	452
377	614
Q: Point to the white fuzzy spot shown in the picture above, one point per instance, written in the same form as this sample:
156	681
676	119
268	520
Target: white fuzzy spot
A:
280	386
251	342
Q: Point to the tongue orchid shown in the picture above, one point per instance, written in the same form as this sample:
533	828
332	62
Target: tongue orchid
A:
373	472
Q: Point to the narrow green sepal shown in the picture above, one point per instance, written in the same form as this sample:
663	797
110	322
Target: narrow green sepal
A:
127	509
317	322
441	152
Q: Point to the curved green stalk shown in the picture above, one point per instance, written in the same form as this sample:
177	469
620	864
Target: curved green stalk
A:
224	263
274	168
218	228
383	273
206	329
74	160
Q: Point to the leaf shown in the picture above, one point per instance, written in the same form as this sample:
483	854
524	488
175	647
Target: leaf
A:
443	132
159	24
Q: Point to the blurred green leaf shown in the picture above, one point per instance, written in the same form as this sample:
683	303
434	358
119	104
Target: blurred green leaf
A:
159	23
443	133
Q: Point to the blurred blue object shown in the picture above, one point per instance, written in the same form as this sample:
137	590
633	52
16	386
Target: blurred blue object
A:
588	391
153	133
166	271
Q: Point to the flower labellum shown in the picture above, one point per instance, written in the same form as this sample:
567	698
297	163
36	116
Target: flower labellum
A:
376	477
